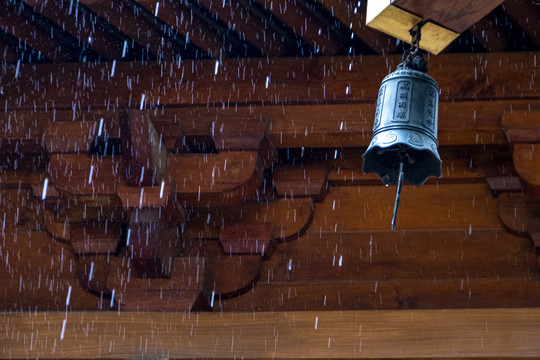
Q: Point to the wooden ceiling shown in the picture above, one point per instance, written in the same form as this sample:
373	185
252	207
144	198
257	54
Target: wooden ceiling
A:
41	31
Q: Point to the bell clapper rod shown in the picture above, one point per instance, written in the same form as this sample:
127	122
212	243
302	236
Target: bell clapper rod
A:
398	195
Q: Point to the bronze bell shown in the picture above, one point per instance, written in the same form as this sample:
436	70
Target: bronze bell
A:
404	143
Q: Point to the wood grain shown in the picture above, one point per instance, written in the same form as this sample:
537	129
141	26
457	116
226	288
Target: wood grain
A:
455	17
449	206
355	334
316	80
223	179
291	217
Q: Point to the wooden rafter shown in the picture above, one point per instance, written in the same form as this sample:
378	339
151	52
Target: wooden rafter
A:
490	34
180	17
353	16
255	30
26	30
128	20
527	16
303	23
94	36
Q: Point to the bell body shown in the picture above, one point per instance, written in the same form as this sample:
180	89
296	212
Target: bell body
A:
405	129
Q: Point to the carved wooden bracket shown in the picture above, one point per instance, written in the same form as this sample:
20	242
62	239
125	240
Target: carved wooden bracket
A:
522	132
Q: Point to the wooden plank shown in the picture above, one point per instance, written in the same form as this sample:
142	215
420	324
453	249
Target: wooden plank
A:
448	206
38	273
95	238
304	180
144	196
121	15
516	211
291	217
222	179
249	26
234	275
345	166
190	282
69	137
526	15
84	175
457	18
354	334
521	126
408	255
386	295
180	18
304	24
353	16
490	34
292	81
249	239
337	125
527	162
98	39
18	207
31	34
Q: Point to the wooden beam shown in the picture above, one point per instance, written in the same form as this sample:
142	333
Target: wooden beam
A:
95	37
292	217
247	25
527	164
33	35
316	80
522	126
122	16
353	17
385	295
224	179
179	16
457	18
526	15
360	334
288	126
407	255
490	34
516	211
304	24
357	208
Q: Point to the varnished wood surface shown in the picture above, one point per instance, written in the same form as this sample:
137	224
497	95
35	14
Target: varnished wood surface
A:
293	81
488	333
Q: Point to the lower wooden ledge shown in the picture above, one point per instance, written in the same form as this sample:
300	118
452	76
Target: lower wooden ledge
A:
481	333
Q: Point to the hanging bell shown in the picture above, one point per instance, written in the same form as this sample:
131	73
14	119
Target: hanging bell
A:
404	143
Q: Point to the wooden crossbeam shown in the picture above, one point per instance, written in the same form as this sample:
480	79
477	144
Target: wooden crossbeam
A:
277	81
484	333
